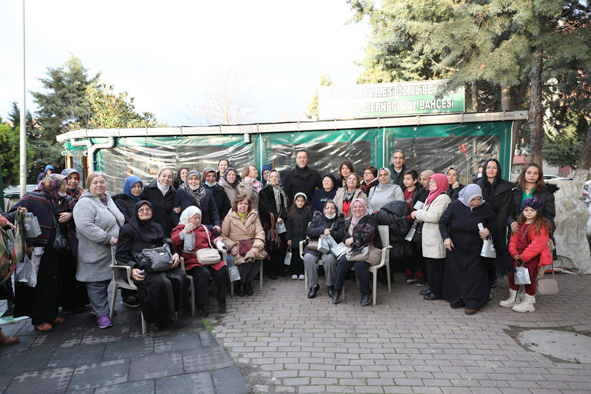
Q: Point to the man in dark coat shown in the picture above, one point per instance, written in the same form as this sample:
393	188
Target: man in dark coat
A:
302	178
398	168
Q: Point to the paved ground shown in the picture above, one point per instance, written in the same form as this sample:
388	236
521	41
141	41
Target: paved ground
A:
79	357
284	342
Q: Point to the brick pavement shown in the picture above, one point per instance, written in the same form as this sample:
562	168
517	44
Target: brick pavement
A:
285	343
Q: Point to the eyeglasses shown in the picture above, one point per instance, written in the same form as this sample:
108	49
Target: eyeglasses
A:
145	210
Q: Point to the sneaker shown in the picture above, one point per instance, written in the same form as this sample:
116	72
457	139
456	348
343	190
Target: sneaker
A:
302	277
104	321
421	282
410	281
131	302
294	277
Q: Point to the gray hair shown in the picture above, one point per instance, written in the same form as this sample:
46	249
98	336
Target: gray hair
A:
399	151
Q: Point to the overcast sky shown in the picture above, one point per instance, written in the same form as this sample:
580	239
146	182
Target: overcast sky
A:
162	52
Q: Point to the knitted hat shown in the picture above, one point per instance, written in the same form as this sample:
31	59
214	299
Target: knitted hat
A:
534	203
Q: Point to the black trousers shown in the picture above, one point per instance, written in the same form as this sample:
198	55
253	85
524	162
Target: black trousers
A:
361	271
435	269
201	276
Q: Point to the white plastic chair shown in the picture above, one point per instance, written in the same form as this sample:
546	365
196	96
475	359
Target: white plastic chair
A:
192	284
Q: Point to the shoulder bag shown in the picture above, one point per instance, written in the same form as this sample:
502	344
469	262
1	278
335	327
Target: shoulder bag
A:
208	256
60	243
548	286
155	259
273	242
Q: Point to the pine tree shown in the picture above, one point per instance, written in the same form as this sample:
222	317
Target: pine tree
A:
15	116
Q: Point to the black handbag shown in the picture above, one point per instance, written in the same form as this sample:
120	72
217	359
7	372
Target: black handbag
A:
61	244
273	242
155	259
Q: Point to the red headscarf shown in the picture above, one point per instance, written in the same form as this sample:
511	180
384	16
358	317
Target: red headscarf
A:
442	186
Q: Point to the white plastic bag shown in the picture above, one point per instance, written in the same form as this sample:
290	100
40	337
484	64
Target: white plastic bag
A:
26	272
189	241
287	260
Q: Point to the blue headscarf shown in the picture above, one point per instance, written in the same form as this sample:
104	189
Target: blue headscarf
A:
129	182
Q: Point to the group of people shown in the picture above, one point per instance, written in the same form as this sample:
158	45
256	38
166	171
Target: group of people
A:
437	227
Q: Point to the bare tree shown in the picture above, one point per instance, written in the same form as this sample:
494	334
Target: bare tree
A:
227	100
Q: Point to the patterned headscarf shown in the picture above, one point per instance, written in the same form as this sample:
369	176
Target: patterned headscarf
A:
278	192
197	193
50	186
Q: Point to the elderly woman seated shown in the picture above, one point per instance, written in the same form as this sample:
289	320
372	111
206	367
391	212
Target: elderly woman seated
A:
244	236
190	226
361	232
161	293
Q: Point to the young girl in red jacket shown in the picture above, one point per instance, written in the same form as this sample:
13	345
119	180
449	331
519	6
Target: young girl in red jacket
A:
530	246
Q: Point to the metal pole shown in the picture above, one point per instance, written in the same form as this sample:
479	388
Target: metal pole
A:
23	128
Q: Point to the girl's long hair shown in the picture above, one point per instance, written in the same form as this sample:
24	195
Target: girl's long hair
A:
540	184
538	223
291	212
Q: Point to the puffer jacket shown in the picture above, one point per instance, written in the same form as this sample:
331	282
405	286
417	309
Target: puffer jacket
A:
394	216
320	223
231	192
247	187
538	246
234	230
339	197
297	227
432	242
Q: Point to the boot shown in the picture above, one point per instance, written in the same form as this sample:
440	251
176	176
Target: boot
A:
240	290
336	296
511	301
313	291
527	305
248	289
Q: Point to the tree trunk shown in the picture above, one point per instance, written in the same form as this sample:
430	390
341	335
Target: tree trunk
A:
582	171
474	91
505	97
536	114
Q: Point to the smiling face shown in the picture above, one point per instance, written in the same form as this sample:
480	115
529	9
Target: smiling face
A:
222	165
274	178
424	181
398	160
73	181
352	182
210	177
252	172
330	209
62	189
231	177
194	181
165	178
242	206
136	189
300	201
383	176
98	186
452	176
358	209
145	212
195	220
184	173
345	171
327	184
432	185
491	169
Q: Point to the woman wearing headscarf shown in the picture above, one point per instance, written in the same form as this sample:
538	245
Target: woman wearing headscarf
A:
356	237
385	192
424	178
222	202
329	222
273	201
52	208
160	293
432	243
498	193
453	179
465	281
98	221
132	188
194	193
229	181
250	185
190	223
321	196
265	174
72	180
160	193
345	195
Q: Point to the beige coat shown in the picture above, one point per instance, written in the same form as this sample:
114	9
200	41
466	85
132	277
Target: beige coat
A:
340	196
230	191
245	187
432	242
234	229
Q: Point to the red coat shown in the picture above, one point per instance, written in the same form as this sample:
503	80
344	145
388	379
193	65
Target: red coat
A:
200	243
538	246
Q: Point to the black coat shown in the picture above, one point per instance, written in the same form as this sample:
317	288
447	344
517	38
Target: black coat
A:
305	181
267	206
499	198
320	197
161	205
465	274
547	198
130	243
320	223
394	216
420	194
367	219
125	204
209	211
454	193
222	202
297	227
398	179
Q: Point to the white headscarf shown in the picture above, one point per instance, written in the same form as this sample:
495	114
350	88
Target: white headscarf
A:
469	193
188	213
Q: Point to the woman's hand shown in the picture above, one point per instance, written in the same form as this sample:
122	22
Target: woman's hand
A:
514	227
455	185
448	244
188	229
255	251
235	250
113	241
279	221
177	209
289	242
175	260
349	241
484	233
23	210
413	214
327	231
516	257
218	239
65	216
218	229
136	274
